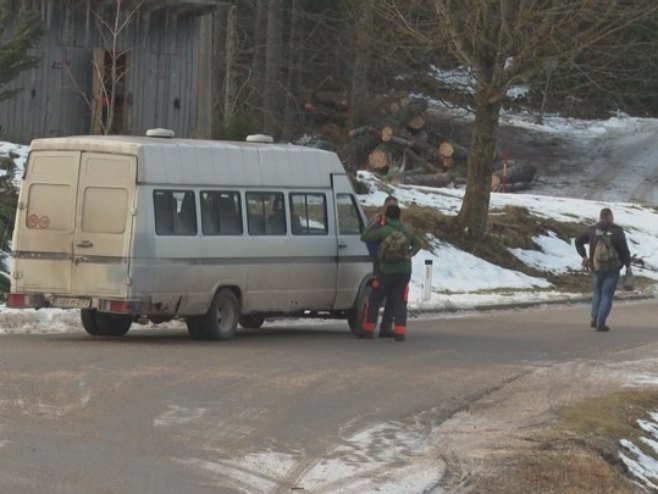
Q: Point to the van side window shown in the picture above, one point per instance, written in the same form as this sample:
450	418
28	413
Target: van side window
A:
221	213
308	214
175	212
266	213
349	219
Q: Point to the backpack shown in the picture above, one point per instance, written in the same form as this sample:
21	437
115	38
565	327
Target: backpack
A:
605	256
395	247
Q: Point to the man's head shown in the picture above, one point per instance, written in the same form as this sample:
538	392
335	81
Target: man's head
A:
606	216
390	201
393	212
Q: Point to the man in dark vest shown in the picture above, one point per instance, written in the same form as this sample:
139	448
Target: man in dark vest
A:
608	252
393	275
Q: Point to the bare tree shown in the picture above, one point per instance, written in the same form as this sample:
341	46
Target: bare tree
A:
109	65
504	43
109	78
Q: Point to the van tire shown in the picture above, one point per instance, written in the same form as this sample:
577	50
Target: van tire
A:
358	313
221	320
252	321
104	324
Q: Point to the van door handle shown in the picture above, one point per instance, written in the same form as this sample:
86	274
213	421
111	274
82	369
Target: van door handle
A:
85	244
342	246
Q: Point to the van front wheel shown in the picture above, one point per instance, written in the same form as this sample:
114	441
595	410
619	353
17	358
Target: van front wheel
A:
221	320
103	324
358	313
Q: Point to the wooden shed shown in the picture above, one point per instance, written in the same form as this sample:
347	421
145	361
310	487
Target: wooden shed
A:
163	56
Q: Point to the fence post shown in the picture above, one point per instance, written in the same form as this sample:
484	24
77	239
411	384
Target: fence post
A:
427	283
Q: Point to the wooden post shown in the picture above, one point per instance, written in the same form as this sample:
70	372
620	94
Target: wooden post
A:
505	156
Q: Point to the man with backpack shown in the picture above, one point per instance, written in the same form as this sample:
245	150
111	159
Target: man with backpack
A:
377	221
396	246
608	252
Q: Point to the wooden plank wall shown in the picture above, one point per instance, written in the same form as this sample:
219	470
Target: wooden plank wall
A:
161	84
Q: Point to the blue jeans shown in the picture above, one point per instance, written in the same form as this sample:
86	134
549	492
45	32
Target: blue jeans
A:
604	284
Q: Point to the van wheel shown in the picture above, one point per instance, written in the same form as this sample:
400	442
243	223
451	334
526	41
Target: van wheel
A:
103	324
221	321
357	314
252	321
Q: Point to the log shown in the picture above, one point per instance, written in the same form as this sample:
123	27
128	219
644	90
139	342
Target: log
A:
416	123
515	174
429	180
447	163
387	133
518	186
446	150
410	157
379	158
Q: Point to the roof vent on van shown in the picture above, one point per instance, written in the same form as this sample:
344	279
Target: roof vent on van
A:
265	139
165	133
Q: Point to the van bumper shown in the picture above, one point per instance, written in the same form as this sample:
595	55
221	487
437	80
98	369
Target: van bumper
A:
49	300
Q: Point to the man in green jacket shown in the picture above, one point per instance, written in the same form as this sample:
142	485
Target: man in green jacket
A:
394	273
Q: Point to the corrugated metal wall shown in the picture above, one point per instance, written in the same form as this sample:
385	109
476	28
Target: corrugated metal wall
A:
161	84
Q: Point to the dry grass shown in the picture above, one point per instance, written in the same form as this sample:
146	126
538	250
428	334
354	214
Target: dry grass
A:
580	454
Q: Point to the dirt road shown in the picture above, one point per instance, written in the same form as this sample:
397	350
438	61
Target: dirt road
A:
309	409
607	162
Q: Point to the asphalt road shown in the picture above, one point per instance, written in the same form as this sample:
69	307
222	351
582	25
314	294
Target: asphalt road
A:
287	409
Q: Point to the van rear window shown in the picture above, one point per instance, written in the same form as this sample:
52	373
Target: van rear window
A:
175	212
50	207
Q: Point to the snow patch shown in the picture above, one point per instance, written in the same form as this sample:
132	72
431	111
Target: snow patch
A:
642	465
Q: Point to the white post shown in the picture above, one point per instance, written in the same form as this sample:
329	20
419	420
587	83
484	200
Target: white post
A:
427	283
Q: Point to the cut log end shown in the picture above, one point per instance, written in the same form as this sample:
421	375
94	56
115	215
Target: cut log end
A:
416	123
446	150
378	159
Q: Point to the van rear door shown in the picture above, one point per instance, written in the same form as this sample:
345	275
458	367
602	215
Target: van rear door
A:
45	223
104	217
353	259
74	224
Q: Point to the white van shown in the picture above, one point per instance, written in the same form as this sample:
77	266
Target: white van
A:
218	233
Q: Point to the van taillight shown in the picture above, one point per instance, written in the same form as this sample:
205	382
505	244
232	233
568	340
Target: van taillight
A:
117	306
16	300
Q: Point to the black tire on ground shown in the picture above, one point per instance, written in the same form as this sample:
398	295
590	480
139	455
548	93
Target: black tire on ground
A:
252	321
221	320
357	314
104	324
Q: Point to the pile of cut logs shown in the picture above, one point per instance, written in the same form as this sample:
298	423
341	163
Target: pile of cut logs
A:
403	146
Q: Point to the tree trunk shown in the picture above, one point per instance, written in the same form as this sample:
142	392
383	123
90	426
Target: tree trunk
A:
219	57
361	65
472	217
273	61
295	60
229	77
257	77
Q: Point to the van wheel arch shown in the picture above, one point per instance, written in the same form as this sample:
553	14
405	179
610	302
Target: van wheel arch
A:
221	320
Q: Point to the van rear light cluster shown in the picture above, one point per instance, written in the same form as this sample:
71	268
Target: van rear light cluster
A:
116	306
18	300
